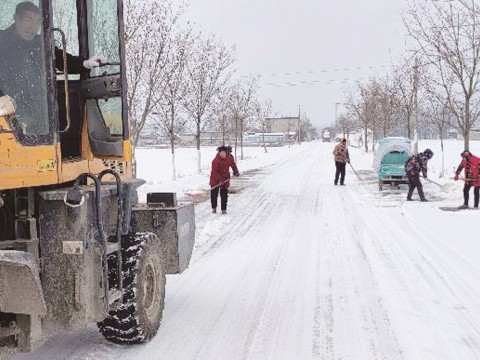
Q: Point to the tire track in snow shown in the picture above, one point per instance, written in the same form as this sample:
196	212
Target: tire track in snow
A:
265	325
402	253
263	202
375	318
273	207
445	282
253	341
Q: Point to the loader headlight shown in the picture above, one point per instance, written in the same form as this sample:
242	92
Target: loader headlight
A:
7	105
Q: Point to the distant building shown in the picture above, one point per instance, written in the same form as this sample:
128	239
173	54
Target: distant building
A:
187	139
283	125
474	134
206	138
269	138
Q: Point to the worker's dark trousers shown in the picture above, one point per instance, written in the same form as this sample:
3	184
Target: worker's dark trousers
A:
223	197
340	172
414	182
476	194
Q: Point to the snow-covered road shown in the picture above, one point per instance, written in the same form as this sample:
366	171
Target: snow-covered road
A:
302	269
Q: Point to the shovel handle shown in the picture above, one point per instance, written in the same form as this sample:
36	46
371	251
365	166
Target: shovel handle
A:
462	178
433	182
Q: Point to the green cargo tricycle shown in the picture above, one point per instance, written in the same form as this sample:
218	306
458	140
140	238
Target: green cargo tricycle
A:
389	161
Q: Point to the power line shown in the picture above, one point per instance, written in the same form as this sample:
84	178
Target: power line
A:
314	82
325	71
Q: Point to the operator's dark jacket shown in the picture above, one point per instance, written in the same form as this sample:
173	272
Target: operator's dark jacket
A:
22	74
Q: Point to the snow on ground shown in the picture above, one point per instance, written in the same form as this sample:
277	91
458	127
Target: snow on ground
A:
302	269
155	166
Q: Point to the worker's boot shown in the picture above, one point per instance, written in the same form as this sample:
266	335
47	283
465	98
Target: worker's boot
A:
422	195
409	196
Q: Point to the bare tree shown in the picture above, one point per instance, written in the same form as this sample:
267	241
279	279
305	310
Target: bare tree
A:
243	99
362	105
65	19
168	102
388	105
309	131
149	29
406	88
207	73
447	34
303	127
346	123
262	111
375	109
436	111
221	113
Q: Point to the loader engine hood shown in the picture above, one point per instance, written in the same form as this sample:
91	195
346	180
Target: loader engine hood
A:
20	288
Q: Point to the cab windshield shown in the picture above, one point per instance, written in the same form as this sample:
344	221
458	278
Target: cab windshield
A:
22	67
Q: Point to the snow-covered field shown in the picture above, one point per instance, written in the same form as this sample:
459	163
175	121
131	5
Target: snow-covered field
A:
302	269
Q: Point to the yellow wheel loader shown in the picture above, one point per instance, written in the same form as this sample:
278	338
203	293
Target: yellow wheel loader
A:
76	246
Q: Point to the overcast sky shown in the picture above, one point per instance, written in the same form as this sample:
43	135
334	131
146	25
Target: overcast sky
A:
320	42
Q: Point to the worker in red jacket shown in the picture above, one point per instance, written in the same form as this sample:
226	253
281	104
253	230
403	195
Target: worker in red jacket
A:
472	177
220	177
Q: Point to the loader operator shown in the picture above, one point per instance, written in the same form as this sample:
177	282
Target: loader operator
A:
21	67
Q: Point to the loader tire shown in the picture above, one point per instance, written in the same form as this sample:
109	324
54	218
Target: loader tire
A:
138	317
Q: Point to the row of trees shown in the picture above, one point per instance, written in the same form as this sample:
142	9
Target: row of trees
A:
182	79
433	87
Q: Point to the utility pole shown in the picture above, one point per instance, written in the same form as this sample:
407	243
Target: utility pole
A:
336	110
415	106
298	124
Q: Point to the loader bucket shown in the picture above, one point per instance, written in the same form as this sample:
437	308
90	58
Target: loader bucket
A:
20	288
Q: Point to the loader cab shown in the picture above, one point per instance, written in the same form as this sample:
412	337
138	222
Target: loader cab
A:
75	117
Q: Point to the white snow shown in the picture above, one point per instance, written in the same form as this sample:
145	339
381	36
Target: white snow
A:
302	269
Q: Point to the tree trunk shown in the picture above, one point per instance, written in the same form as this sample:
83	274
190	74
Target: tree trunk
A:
174	168
366	139
199	158
172	146
466	124
241	139
263	138
466	138
236	136
443	154
223	130
409	126
172	142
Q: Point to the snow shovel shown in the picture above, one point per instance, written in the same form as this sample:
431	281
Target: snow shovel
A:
219	184
462	178
445	187
358	176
